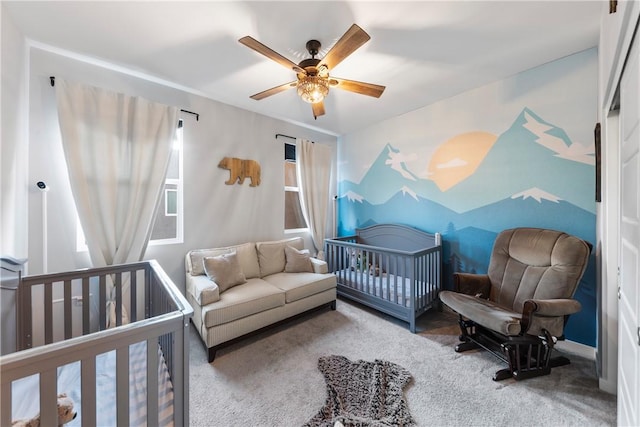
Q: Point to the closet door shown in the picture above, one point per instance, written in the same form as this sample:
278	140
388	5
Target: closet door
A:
629	281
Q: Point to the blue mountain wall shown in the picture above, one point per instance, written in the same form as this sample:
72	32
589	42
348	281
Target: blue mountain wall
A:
470	214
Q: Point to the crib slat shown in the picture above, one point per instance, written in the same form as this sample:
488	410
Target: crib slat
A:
423	290
384	283
5	404
417	283
88	389
133	315
411	267
406	276
395	275
25	319
48	398
48	313
122	385
179	379
152	382
401	281
363	282
86	324
365	269
118	286
147	292
102	302
68	321
429	279
432	275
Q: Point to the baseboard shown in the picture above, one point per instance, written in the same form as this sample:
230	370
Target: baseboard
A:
576	348
608	386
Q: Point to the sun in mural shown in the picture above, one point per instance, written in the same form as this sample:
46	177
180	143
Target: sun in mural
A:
459	157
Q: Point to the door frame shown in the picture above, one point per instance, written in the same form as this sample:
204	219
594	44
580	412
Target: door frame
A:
615	42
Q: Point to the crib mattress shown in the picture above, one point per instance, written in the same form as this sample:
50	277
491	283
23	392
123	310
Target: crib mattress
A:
398	290
26	402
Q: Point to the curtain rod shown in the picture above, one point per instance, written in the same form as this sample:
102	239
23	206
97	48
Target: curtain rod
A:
287	136
52	80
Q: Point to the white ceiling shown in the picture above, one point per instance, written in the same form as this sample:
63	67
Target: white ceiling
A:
422	51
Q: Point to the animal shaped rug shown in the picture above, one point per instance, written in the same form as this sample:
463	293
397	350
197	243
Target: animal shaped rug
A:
363	394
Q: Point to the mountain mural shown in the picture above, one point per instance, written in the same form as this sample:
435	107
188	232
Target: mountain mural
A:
543	155
532	176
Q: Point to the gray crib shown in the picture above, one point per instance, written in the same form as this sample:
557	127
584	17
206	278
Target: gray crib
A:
393	268
70	339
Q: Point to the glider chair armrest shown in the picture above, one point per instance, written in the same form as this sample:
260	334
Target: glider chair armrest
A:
552	307
547	314
472	284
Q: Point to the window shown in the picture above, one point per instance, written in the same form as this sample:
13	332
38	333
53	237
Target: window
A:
293	218
168	225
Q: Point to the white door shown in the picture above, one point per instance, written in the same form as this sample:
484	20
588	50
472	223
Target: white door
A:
629	296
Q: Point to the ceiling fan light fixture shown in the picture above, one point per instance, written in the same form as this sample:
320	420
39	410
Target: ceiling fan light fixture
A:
313	81
313	89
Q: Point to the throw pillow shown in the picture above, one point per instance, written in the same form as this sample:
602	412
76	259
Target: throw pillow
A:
271	254
247	258
224	270
297	261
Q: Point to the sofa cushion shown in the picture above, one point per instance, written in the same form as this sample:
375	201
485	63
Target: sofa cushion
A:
203	290
247	257
271	254
301	285
224	270
249	298
297	261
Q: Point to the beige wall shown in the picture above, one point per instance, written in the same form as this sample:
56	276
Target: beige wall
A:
13	145
215	214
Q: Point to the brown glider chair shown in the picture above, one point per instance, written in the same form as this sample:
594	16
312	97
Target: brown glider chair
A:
519	309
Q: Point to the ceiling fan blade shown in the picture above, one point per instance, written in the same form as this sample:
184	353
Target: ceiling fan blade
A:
348	43
318	109
254	44
273	90
368	89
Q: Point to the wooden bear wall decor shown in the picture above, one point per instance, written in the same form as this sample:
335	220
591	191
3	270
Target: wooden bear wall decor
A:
239	169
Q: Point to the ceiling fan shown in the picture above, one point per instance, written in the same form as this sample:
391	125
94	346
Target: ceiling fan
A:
313	81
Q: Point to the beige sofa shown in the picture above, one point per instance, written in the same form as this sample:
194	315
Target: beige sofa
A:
280	281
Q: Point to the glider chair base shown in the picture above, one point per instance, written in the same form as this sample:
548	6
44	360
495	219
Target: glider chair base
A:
528	356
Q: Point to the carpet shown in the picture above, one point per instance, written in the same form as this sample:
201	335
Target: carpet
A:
363	394
272	379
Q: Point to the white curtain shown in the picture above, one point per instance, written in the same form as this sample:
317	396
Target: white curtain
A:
313	169
117	149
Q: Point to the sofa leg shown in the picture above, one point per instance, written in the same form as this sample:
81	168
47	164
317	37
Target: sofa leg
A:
333	305
211	354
